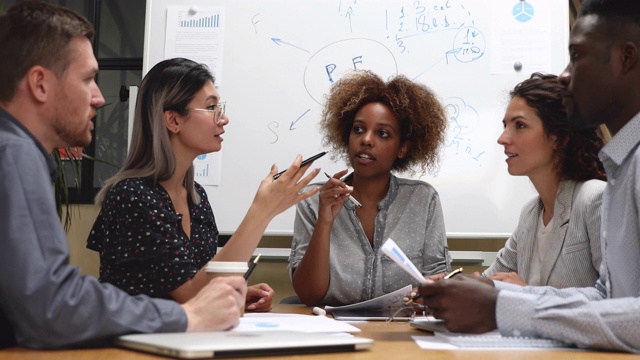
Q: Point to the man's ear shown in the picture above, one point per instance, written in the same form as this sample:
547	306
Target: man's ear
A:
629	56
403	150
172	121
37	83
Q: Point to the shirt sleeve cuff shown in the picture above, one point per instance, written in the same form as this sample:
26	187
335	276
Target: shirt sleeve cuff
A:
173	316
501	285
514	314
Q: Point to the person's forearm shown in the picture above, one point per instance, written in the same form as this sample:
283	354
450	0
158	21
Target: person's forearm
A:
311	278
246	238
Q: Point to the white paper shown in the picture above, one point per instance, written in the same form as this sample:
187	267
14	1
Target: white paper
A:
207	168
292	322
392	250
391	300
520	34
196	34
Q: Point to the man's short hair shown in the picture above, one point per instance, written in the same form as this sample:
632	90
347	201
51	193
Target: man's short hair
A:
622	9
36	33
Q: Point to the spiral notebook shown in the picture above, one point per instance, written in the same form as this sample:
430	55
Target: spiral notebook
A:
491	339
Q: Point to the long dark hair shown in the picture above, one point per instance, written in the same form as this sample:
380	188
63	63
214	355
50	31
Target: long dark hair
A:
170	85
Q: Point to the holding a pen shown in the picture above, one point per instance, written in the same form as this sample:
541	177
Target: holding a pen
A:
378	128
350	188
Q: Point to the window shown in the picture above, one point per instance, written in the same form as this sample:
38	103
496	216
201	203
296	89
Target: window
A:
118	45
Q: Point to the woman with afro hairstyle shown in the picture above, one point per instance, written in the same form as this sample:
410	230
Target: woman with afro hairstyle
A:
557	240
378	128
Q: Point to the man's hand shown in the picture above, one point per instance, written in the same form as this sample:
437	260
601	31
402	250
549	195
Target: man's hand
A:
467	304
217	305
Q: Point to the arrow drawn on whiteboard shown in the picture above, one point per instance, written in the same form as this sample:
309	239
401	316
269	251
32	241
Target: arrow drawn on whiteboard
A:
280	42
293	123
427	69
349	13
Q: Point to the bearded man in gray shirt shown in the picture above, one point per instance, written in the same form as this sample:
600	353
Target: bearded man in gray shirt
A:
48	96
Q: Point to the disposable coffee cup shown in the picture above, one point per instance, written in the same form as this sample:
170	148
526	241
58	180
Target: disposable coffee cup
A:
216	269
226	268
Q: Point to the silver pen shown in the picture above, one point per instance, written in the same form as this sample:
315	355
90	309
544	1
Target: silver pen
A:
355	202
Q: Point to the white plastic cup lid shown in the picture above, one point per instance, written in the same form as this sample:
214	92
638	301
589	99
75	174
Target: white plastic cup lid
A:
227	267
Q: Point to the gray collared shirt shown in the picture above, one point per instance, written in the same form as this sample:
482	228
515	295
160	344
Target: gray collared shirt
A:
410	214
44	301
606	316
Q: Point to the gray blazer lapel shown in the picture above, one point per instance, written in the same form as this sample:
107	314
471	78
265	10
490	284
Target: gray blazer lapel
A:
526	245
561	214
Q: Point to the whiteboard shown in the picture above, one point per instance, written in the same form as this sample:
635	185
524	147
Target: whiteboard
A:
278	58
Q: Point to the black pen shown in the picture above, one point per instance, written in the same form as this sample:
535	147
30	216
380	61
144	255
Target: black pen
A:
356	202
304	162
251	267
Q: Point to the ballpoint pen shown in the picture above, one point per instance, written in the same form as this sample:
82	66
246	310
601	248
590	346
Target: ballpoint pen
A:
453	273
251	267
415	297
355	202
303	163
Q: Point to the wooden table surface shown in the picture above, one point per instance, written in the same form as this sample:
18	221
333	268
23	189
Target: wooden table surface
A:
392	341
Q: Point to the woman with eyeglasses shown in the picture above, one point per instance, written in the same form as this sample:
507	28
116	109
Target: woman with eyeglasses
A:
156	230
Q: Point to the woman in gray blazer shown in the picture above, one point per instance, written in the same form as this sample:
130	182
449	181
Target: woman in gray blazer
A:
557	240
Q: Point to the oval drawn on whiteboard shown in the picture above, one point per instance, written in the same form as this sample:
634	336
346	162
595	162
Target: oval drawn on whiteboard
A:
469	44
331	62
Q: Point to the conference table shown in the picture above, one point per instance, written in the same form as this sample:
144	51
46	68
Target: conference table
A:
392	340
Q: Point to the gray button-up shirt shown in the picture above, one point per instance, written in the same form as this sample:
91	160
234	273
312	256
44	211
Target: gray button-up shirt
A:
44	301
410	214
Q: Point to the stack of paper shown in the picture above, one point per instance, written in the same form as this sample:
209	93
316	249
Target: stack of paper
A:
380	308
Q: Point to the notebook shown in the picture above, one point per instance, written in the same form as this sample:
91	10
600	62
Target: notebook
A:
491	339
199	345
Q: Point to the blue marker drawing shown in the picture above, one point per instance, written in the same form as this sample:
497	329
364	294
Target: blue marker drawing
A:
422	18
348	12
348	16
463	119
201	156
468	45
279	42
267	325
293	123
523	11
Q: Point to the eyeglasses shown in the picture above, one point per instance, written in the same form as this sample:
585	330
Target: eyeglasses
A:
217	111
407	309
406	312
